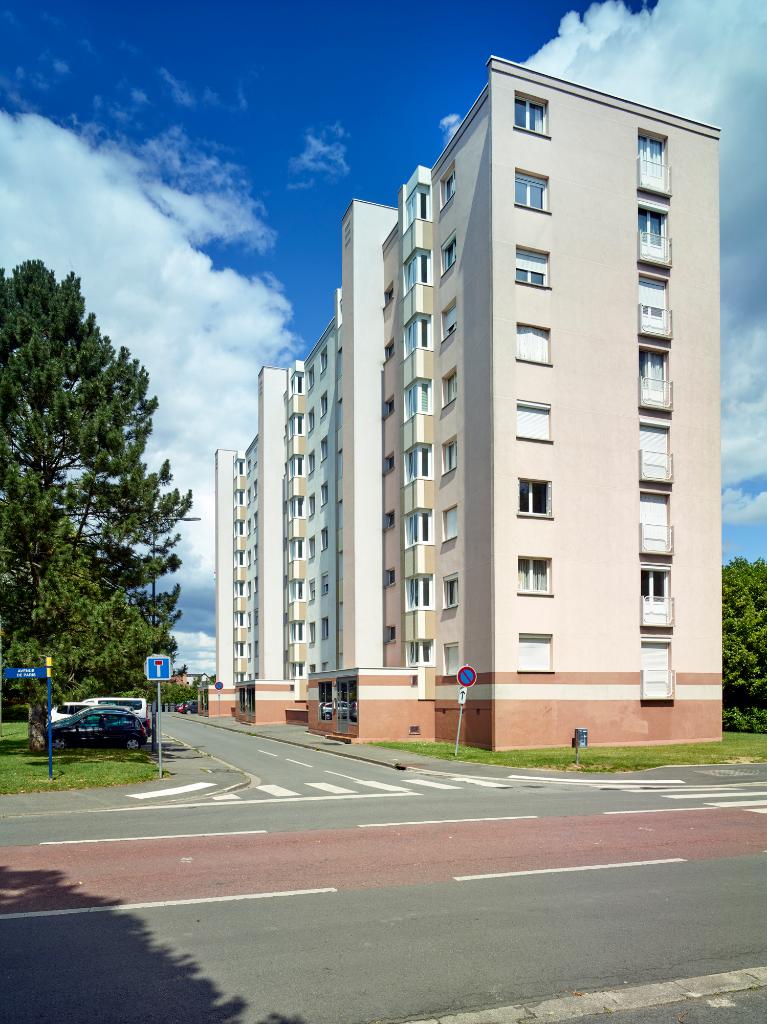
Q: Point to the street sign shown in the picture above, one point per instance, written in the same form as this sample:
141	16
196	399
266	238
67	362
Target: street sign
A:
219	685
462	695
466	676
157	666
26	673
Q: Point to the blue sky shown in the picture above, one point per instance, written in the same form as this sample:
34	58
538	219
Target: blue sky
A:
192	162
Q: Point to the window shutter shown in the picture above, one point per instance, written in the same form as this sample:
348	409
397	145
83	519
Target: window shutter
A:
653	510
652	293
654	657
532	344
534	653
653	439
533	421
532	261
548	499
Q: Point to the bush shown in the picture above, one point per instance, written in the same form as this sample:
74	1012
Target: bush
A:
745	720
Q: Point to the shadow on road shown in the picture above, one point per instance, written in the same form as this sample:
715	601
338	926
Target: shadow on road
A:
105	966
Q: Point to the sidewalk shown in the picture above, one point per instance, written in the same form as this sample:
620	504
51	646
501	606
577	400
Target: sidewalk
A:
185	765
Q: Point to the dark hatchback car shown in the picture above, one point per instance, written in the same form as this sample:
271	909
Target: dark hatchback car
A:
99	728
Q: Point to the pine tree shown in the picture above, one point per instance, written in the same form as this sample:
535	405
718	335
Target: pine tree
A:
84	526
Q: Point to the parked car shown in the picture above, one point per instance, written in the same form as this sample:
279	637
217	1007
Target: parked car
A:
326	711
102	727
191	708
135	704
61	711
181	708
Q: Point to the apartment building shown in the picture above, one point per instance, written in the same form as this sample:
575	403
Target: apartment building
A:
504	448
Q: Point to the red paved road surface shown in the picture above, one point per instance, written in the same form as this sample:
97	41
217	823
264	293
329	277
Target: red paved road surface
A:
56	877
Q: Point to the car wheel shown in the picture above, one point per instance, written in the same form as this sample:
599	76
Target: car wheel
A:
59	743
132	743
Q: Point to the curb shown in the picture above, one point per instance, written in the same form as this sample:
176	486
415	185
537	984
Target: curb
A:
609	1001
248	779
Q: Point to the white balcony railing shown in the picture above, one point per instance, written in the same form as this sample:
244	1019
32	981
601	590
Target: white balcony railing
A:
656	466
655	321
653	175
657	611
657	684
654	248
656	394
656	539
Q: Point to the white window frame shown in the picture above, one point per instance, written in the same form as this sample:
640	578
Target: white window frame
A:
414	463
529	102
418	399
449	320
323	449
296	590
539	260
324	584
390	577
449	253
297	632
450	667
450	591
526	576
547	645
297	549
323	360
420	652
418	205
324	538
418	331
530	341
538	408
324	491
450	454
417	270
419	527
446	534
325	628
296	466
528	183
449	387
529	510
447	187
323	405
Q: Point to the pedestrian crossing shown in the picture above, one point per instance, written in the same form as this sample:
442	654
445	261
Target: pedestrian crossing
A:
352	785
745	797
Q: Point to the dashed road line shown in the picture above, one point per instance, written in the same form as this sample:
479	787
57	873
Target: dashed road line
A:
580	867
302	763
142	839
448	821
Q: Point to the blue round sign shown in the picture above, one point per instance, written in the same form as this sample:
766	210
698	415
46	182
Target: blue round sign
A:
219	685
467	676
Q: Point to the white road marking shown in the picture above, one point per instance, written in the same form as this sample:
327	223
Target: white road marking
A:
582	867
598	782
738	803
302	763
277	791
430	784
143	839
481	782
226	796
123	908
267	752
328	787
448	821
663	810
373	785
191	788
712	793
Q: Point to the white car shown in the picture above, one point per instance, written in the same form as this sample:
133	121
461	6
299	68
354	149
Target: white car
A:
60	711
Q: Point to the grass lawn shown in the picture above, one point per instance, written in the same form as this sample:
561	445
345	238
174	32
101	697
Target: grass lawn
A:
23	772
735	748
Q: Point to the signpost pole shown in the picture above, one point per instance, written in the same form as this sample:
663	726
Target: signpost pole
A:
159	729
466	676
49	671
458	731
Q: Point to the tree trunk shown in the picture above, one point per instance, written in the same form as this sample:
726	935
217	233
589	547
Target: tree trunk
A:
38	727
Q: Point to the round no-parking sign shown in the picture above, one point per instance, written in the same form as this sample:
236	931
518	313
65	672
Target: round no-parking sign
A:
466	676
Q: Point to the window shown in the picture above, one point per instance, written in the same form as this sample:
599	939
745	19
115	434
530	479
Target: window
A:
418	463
417	205
324	628
449	455
532	344
389	295
310	380
448	187
388	407
297	508
311	463
239	588
389	577
323	495
388	520
312	589
653	378
389	351
653	172
534	653
655	584
534	576
420	592
324	583
324	539
388	462
450	584
449	254
390	634
312	547
535	498
311	420
529	191
450	523
296	466
311	505
418	528
297	384
533	421
449	320
653	306
418	334
323	449
323	405
529	114
451	659
296	590
532	268
296	632
450	388
297	669
323	361
312	632
418	398
420	652
418	270
239	498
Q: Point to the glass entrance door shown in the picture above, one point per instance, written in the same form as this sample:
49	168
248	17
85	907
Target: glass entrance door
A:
346	705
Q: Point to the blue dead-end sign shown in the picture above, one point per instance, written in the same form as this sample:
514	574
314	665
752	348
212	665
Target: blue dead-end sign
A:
157	666
466	675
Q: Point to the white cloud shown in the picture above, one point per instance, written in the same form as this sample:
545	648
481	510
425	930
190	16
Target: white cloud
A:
740	508
449	126
202	333
324	153
707	65
198	650
180	93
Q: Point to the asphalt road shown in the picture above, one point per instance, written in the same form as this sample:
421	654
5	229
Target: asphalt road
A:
326	907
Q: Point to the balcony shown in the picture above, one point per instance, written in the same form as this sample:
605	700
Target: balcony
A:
654	248
653	176
657	466
656	394
654	321
656	539
240	513
657	684
656	611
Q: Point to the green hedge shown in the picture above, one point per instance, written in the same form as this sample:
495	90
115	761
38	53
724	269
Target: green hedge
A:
744	720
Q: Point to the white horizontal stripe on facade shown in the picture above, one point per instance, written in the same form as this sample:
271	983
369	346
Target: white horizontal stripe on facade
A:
388	692
571	691
288	695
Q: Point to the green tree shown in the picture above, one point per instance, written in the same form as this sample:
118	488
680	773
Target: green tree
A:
744	634
84	526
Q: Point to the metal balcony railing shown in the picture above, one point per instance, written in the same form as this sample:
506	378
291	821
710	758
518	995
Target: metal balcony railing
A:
657	466
656	540
657	684
656	611
654	175
656	394
654	248
655	321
